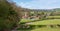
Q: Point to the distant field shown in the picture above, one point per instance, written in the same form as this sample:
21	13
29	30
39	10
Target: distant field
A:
49	17
46	22
55	17
27	20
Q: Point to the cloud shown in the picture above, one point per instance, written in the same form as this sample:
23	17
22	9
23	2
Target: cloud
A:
40	4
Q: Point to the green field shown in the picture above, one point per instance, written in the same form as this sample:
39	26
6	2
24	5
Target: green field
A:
46	29
46	22
49	17
43	29
27	20
53	17
52	20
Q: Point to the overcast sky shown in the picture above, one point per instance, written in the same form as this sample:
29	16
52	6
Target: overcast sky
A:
38	4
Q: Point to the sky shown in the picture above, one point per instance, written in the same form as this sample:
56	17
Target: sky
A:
38	4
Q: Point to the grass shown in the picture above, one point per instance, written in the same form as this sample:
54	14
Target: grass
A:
55	17
43	22
43	29
46	22
46	29
25	20
30	20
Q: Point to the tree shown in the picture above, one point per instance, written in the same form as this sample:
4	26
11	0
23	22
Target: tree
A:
8	16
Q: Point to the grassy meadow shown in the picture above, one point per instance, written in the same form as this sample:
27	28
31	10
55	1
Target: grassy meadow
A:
46	29
47	22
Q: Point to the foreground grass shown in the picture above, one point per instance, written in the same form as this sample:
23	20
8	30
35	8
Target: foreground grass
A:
46	29
43	29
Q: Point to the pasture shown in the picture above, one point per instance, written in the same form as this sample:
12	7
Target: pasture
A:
49	24
44	22
53	17
46	29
